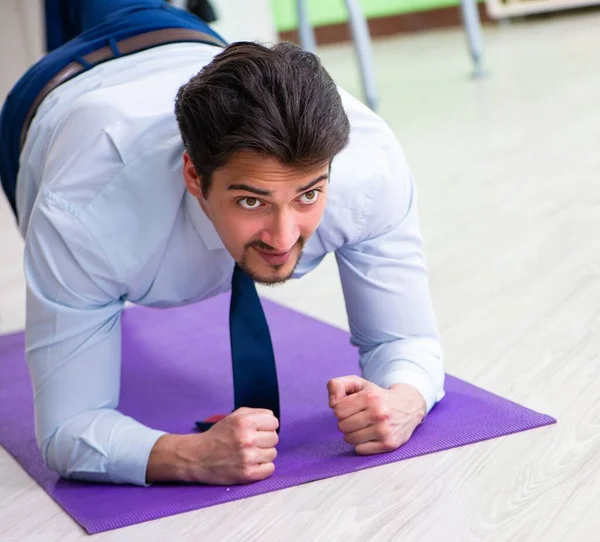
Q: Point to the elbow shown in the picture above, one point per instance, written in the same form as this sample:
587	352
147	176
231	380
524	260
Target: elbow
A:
55	454
67	454
74	451
47	448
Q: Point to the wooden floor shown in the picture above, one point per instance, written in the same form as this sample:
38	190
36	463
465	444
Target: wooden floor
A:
508	170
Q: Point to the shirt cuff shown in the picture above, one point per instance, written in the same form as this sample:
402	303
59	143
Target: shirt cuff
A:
408	372
129	462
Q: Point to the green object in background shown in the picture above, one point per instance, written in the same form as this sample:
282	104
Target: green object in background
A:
324	12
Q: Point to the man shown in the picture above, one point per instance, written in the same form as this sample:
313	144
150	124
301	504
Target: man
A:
147	162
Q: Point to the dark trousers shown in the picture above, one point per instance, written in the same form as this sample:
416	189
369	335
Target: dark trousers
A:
75	28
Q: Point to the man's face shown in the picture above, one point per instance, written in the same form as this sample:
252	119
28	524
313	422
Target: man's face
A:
263	211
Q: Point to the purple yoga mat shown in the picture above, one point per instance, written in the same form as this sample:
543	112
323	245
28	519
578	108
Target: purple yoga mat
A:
176	370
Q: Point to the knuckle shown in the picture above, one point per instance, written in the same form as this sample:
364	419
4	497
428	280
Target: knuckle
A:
248	472
247	456
388	446
238	422
271	455
390	443
265	472
373	397
243	422
381	414
244	440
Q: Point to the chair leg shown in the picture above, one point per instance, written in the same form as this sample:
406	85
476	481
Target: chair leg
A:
305	30
362	45
472	25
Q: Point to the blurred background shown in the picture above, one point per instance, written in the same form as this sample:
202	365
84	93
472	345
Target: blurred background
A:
500	125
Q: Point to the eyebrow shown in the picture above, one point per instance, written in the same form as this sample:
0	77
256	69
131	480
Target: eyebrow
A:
259	192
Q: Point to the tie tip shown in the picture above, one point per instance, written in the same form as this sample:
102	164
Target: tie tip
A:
215	418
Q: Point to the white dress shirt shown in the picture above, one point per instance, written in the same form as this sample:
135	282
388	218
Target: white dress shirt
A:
107	219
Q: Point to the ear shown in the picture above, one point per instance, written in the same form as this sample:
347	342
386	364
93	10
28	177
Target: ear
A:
193	181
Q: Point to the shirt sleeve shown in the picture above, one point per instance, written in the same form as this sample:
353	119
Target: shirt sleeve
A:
385	280
73	348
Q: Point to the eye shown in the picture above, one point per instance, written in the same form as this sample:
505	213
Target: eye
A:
310	197
250	203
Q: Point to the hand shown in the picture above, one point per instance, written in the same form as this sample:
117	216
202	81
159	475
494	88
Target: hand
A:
375	419
236	450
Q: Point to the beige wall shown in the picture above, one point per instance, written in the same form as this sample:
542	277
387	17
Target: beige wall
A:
21	44
21	39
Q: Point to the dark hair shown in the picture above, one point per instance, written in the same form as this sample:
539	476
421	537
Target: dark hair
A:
276	101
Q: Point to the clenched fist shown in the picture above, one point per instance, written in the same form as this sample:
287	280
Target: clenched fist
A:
238	449
241	447
372	418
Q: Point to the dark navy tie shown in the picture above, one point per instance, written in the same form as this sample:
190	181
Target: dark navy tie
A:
253	361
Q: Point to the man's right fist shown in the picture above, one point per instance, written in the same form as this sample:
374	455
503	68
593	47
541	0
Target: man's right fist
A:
236	450
240	448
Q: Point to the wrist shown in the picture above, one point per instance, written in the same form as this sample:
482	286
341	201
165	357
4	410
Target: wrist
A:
405	372
412	397
173	459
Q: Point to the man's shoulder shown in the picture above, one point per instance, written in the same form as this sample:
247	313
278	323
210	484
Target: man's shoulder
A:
370	184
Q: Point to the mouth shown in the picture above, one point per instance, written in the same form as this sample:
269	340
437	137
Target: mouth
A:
274	258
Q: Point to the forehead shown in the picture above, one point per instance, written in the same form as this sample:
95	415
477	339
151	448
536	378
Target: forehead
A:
252	167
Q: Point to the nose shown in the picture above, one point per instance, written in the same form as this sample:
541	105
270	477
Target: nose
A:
283	232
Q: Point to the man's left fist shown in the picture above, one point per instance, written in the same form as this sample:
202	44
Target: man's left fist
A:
375	419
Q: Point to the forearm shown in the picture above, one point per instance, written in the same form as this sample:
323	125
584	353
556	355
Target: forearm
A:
101	445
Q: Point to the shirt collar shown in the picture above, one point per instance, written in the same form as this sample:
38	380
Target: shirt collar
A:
202	223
